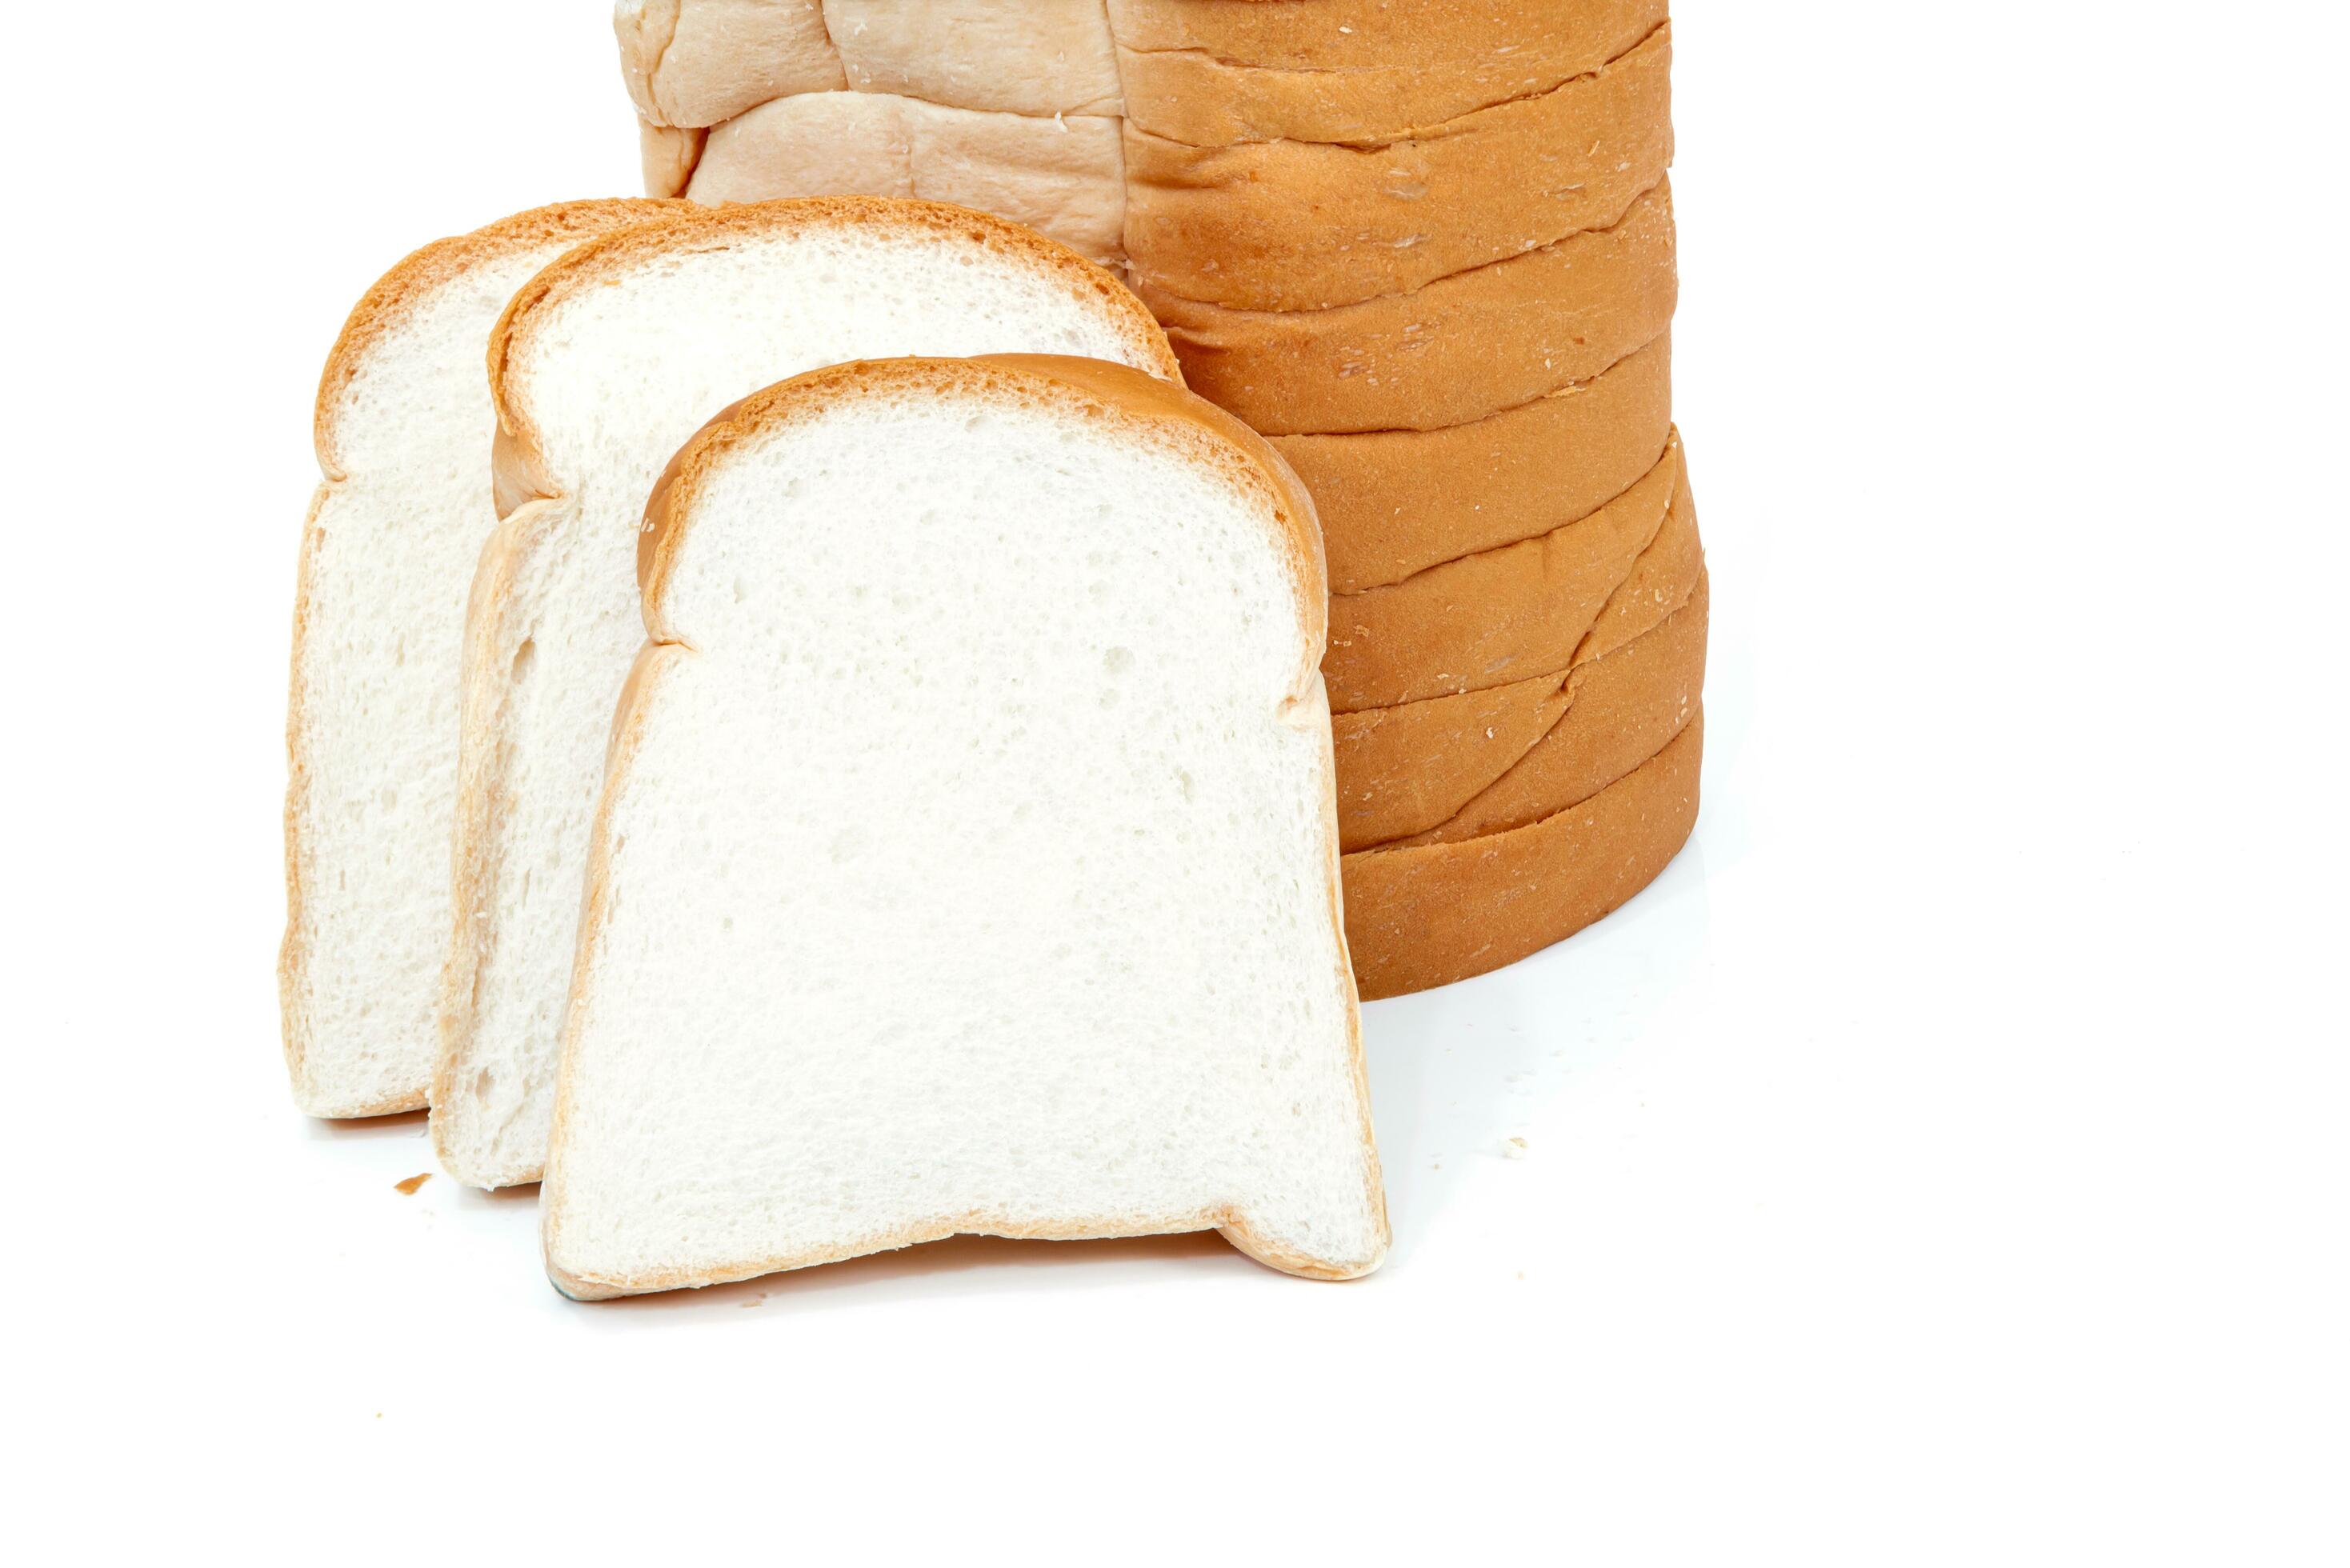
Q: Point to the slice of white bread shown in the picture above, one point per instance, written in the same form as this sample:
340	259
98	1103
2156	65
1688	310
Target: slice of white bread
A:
404	426
600	368
967	855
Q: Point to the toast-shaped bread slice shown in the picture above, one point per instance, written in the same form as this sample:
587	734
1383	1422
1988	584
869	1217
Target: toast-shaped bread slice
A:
403	428
602	365
967	857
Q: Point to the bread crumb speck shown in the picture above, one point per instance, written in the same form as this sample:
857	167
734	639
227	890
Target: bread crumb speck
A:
408	1189
1514	1148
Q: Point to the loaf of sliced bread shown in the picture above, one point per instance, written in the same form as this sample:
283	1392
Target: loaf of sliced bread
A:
966	859
600	368
402	428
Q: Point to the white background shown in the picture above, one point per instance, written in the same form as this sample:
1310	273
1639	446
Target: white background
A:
1943	1163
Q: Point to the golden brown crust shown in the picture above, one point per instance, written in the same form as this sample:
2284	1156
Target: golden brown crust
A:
1461	348
1433	914
398	291
1356	37
1304	225
1393	503
1503	614
1479	763
1621	710
521	454
1210	72
1409	767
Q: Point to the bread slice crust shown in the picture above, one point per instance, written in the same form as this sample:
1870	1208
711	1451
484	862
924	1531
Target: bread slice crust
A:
1148	408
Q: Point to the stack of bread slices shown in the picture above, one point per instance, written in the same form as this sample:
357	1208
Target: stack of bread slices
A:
822	747
1427	249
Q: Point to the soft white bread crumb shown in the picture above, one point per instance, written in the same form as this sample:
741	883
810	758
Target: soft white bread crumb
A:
403	432
966	862
605	364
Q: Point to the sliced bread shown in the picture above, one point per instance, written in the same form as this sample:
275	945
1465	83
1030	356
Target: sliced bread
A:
1304	225
1396	502
601	367
966	860
402	427
1430	914
1480	761
1216	71
1463	348
1502	615
1621	710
